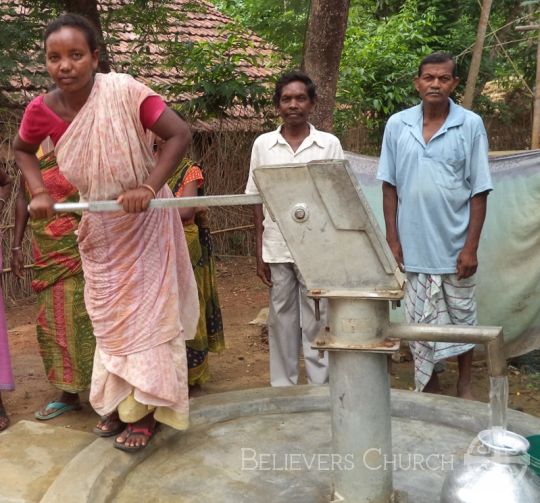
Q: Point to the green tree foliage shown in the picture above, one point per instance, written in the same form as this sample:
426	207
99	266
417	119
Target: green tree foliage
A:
18	37
281	22
214	75
384	43
383	47
379	60
387	38
213	72
519	47
211	75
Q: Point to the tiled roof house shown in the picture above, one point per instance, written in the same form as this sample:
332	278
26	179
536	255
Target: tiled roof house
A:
192	21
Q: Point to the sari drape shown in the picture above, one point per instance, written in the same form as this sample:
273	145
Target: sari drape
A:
140	290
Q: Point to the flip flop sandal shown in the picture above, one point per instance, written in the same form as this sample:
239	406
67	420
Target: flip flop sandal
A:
120	427
137	431
61	408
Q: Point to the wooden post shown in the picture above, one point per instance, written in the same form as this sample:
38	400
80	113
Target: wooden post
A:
535	133
477	54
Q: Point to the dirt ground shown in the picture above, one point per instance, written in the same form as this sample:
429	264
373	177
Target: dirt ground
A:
244	364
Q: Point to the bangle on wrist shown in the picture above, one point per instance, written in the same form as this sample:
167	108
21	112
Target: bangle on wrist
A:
150	188
39	190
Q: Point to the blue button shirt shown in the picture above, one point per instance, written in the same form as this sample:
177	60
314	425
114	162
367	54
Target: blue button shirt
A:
435	183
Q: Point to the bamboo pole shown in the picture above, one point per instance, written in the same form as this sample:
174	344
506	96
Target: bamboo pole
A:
535	133
477	54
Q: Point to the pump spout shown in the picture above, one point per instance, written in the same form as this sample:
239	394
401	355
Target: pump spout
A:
490	337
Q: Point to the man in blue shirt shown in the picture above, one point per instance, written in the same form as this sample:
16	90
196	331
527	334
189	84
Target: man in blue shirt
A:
435	173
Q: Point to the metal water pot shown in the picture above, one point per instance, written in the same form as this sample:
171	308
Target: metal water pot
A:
495	469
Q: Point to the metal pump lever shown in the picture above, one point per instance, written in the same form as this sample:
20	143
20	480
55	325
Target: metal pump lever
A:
180	202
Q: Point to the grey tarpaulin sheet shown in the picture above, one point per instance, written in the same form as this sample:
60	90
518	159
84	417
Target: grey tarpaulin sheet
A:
508	290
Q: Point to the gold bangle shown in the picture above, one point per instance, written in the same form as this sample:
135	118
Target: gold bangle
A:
150	188
39	190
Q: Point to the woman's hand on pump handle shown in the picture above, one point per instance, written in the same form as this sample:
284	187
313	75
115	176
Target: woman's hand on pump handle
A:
41	206
136	200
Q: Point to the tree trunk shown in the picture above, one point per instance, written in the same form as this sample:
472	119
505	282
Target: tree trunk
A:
322	52
89	9
535	134
477	54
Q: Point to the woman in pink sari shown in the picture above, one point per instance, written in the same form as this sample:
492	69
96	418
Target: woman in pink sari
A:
140	290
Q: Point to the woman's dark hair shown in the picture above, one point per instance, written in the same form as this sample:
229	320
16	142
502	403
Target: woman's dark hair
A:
72	21
437	58
294	76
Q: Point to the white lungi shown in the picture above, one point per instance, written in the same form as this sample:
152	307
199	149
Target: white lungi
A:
441	300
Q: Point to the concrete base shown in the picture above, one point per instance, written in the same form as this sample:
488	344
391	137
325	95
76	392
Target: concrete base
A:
32	456
257	445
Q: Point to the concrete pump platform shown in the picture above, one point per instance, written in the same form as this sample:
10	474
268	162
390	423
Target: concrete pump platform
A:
269	444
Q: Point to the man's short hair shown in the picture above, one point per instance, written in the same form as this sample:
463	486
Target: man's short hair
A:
436	58
294	76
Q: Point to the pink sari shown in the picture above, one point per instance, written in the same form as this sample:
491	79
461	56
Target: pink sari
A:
140	290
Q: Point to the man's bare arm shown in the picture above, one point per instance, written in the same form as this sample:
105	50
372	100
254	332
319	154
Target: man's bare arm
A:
390	206
263	270
467	261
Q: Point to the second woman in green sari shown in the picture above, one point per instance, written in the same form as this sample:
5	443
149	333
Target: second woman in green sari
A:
188	181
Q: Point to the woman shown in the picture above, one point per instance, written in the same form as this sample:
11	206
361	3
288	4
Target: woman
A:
6	375
188	181
140	291
64	331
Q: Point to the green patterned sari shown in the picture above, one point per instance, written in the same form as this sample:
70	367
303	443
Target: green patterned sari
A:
64	331
209	335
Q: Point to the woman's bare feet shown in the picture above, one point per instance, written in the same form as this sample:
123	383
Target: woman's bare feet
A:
109	426
66	403
137	435
121	439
